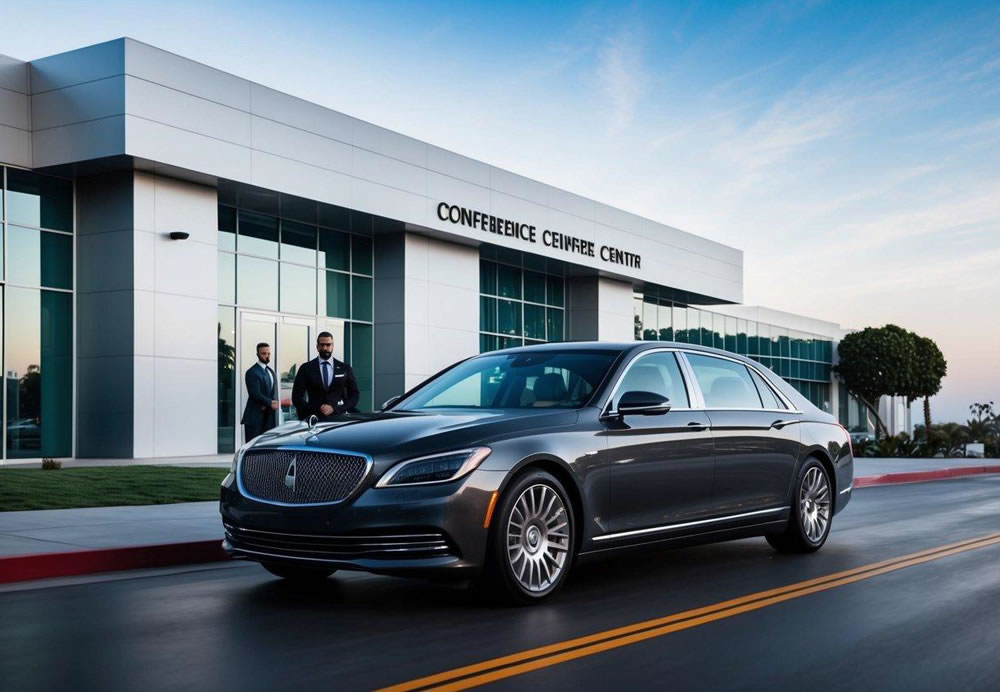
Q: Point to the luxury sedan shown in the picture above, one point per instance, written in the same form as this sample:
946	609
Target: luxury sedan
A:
511	466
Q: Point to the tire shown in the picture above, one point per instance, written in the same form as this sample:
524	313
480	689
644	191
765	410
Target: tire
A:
531	546
299	575
812	512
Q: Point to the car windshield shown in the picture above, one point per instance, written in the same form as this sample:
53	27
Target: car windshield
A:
545	379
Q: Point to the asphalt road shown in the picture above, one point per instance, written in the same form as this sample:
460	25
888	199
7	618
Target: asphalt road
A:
925	624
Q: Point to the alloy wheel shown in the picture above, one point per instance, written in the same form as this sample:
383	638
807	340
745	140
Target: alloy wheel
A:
538	538
814	504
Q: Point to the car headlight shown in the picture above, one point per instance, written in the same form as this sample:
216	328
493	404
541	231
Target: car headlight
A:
436	468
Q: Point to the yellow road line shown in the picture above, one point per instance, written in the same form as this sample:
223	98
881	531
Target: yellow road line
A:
552	654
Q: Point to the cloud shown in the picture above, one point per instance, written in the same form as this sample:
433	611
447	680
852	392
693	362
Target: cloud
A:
621	77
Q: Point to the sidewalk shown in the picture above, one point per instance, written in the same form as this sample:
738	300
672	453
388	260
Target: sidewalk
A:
62	542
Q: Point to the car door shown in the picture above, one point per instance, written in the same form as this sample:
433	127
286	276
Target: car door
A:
756	436
661	465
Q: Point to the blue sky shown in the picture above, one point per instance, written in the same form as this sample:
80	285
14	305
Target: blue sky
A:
851	149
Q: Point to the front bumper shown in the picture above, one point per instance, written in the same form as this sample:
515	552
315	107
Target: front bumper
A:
432	530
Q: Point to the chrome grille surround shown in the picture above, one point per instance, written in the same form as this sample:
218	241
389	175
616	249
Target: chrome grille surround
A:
386	544
322	476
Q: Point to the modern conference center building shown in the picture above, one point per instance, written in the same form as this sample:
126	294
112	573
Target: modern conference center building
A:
161	217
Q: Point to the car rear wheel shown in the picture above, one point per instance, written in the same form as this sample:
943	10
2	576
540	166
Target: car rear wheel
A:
531	546
812	512
301	575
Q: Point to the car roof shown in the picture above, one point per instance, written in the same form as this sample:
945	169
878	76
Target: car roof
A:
613	346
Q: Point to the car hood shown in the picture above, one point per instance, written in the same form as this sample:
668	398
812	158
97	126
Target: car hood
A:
391	435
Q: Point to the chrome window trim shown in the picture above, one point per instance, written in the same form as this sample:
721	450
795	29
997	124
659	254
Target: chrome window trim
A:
369	463
784	399
670	527
688	386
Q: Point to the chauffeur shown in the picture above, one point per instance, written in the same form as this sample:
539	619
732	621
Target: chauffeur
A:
324	387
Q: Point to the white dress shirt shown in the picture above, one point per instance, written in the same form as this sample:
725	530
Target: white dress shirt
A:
270	377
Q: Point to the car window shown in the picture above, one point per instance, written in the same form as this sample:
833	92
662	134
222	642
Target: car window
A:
724	383
543	379
658	373
767	394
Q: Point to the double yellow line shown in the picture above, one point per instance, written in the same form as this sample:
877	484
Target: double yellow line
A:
544	656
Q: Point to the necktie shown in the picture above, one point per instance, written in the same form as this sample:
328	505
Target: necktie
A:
326	374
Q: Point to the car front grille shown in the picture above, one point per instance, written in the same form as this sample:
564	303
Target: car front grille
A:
392	544
292	476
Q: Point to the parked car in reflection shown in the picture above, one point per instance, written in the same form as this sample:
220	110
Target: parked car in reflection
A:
511	466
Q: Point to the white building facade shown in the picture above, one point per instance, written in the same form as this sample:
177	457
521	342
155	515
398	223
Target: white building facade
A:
161	217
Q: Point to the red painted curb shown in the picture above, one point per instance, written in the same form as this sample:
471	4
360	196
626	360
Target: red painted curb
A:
917	476
73	563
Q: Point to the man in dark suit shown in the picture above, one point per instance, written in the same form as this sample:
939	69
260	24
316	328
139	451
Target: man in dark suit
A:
262	400
324	387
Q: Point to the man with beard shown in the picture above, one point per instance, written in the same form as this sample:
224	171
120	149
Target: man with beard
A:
262	403
324	387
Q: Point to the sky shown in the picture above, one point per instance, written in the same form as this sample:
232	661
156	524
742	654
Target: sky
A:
850	149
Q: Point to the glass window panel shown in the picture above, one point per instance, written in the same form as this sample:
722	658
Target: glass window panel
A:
637	316
785	344
487	342
693	326
334	249
731	334
719	330
534	287
555	324
258	234
361	298
741	337
724	383
508	281
555	286
534	322
764	339
487	314
510	342
39	373
226	416
298	289
332	216
361	254
663	322
649	320
678	318
658	373
227	278
336	299
37	258
795	345
227	228
509	317
298	243
362	362
39	200
488	278
257	283
767	395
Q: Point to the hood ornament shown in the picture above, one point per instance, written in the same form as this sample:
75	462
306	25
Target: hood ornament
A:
311	422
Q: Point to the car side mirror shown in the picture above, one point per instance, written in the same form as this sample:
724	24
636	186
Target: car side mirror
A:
390	401
643	404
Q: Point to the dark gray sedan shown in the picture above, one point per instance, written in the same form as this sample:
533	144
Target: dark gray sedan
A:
510	466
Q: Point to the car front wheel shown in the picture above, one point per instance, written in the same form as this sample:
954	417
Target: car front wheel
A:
531	546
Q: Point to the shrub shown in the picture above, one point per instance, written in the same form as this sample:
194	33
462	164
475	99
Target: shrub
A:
51	464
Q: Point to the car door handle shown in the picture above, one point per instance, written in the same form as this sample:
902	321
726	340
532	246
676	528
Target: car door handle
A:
779	424
696	426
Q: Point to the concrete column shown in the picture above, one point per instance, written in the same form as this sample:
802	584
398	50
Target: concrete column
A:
390	355
175	313
598	309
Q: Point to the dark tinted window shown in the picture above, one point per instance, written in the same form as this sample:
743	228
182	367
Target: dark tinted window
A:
724	383
767	395
657	373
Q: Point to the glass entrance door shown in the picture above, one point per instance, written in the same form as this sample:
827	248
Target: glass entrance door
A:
254	328
295	337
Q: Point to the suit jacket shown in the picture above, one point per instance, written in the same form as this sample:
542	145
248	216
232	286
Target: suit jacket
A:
261	391
309	392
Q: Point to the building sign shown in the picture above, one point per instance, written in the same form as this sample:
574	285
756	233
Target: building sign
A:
460	216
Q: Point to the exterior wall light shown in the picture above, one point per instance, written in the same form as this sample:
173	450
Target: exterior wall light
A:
179	235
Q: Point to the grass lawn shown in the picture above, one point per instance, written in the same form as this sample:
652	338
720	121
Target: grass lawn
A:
107	486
